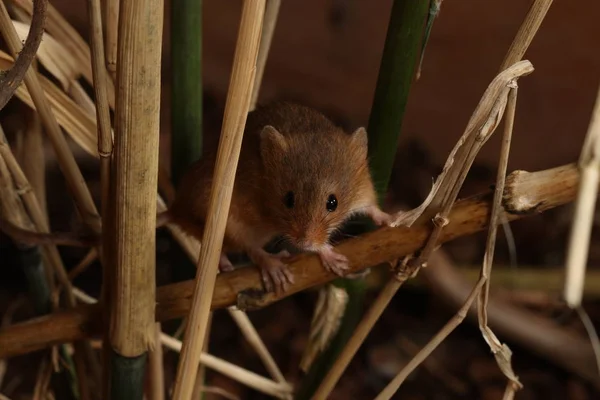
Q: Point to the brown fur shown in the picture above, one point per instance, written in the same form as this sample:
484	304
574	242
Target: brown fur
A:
315	159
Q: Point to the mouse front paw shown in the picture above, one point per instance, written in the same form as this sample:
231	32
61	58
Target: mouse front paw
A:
380	217
276	275
333	261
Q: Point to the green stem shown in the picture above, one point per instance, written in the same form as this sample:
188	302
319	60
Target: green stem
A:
396	72
127	377
400	56
186	94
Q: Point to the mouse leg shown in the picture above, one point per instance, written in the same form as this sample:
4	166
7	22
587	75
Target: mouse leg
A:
332	260
378	216
275	273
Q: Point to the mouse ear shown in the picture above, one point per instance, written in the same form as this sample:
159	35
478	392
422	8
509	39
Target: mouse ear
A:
272	141
360	140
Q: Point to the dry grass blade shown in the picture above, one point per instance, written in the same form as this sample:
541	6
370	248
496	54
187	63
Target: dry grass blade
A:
33	158
68	37
53	56
268	29
75	181
501	351
583	217
10	80
236	110
135	177
401	275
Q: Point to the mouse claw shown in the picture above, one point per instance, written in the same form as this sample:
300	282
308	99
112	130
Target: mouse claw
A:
225	264
333	261
276	275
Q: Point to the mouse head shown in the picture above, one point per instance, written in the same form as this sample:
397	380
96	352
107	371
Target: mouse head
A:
314	181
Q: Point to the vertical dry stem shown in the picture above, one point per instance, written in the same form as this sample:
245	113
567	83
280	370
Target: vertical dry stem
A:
236	110
157	379
135	176
585	205
111	23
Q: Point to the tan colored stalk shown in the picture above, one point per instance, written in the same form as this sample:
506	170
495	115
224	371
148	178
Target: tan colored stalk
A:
364	327
268	29
500	350
75	181
236	110
192	248
585	206
111	25
33	159
156	368
135	176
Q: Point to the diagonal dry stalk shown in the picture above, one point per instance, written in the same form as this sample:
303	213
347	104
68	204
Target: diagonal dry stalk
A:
75	181
11	79
268	29
236	110
583	217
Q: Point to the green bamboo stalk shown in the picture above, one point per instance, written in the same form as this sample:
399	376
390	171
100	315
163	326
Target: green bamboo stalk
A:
401	53
186	90
396	73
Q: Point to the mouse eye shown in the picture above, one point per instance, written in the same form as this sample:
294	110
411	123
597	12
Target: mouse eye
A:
331	204
289	200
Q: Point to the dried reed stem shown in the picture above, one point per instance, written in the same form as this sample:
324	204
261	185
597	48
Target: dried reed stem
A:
155	361
364	327
268	29
527	31
135	176
111	24
11	79
501	351
75	181
33	159
251	335
236	110
585	206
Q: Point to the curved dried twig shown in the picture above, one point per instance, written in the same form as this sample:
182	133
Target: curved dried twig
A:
11	79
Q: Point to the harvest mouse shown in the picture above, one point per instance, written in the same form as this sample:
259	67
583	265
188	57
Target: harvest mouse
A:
299	177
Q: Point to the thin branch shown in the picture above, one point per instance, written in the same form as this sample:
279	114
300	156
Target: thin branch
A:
11	79
526	193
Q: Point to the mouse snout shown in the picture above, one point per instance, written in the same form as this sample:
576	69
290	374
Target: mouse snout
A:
308	239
